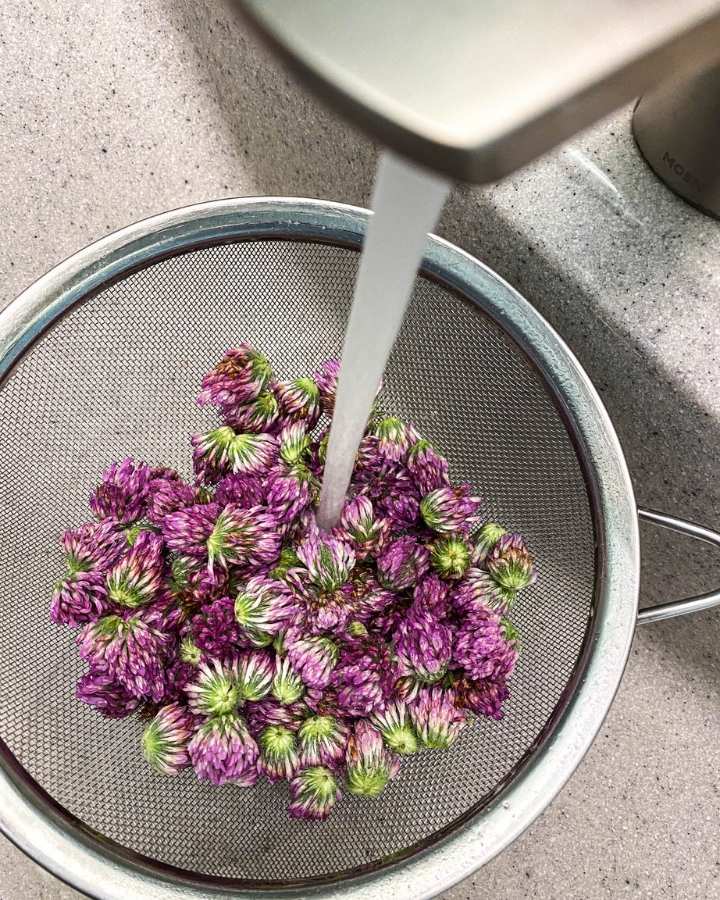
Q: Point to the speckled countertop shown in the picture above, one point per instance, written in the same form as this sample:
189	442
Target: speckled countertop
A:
111	112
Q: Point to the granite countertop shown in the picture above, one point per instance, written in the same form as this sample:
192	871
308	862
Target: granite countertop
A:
113	112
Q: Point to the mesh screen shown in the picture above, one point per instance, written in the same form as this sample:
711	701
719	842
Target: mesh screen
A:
118	376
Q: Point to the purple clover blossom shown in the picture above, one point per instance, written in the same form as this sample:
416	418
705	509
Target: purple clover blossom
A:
93	547
313	658
478	591
299	401
392	439
317	453
482	647
223	750
294	443
122	495
263	608
242	490
257	415
401	511
270	712
278	753
254	673
288	491
432	595
79	598
215	631
313	793
131	651
136	579
510	563
165	739
360	526
220	452
167	495
326	379
370	598
240	376
486	539
187	530
450	556
423	645
427	468
394	724
450	509
364	678
287	686
436	718
322	611
484	697
402	563
328	560
241	536
369	765
322	741
214	691
100	690
211	453
371	466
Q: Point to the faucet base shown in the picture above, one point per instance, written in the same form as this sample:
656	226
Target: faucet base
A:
677	130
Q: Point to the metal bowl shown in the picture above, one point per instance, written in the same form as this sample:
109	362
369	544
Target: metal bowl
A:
101	357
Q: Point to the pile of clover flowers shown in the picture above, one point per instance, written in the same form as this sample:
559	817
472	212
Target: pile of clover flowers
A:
257	645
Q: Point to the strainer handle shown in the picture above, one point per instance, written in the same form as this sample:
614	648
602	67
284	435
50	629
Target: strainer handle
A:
690	604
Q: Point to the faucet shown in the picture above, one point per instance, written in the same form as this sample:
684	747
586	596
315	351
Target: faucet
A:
475	89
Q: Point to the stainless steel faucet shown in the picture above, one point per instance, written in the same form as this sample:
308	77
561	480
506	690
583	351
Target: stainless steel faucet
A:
478	88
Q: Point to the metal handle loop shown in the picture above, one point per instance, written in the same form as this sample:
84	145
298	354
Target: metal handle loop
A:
690	604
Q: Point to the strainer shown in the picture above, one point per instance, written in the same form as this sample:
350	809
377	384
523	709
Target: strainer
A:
101	358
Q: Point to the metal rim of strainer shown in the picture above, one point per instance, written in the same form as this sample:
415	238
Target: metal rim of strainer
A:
91	863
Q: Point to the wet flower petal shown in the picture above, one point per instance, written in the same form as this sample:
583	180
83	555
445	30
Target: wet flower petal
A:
313	658
240	536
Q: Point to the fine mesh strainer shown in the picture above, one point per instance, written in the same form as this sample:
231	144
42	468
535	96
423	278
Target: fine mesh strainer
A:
101	358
